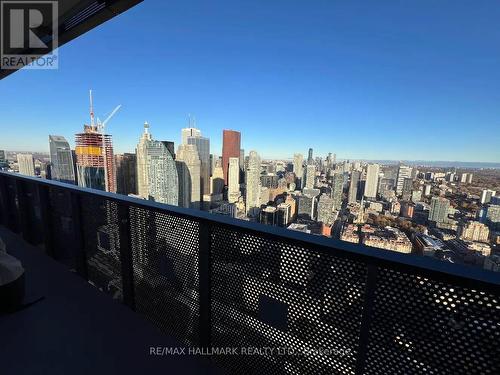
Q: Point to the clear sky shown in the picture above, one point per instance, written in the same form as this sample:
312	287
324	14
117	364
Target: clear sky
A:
364	79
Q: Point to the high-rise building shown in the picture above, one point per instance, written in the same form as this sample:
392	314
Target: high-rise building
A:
126	170
61	160
407	189
188	170
298	169
268	215
493	217
95	161
310	159
231	146
353	186
403	172
253	186
203	147
3	156
156	176
189	132
439	209
473	231
486	195
307	207
337	190
26	164
283	214
217	179
233	191
310	176
371	183
325	208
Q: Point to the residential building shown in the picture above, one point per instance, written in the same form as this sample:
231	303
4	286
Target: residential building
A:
26	164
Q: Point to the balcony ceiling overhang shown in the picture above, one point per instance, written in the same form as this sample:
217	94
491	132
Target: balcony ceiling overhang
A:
75	18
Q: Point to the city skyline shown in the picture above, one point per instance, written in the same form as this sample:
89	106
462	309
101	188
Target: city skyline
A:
362	88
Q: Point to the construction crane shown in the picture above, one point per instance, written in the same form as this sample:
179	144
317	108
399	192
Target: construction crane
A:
101	128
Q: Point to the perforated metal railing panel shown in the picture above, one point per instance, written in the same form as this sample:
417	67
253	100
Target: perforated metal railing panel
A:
102	245
268	293
61	217
165	266
425	326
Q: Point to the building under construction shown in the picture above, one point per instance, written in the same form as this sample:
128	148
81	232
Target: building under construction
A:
95	168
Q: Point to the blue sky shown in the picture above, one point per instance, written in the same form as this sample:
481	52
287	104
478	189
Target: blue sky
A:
372	80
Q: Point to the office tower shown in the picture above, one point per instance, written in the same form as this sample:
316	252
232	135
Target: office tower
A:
473	231
217	179
268	215
233	192
170	147
95	161
427	190
189	170
469	178
61	160
371	182
325	208
439	209
407	189
463	178
338	190
283	214
26	164
203	147
403	172
486	195
231	142
189	132
307	207
310	159
156	176
310	176
353	186
298	169
3	156
126	170
253	186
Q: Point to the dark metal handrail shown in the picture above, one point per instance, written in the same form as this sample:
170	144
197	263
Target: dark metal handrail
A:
464	275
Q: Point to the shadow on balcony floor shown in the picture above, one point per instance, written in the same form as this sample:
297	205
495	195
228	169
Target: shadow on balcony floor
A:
76	329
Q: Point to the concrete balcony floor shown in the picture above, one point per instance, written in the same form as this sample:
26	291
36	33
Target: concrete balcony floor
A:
76	329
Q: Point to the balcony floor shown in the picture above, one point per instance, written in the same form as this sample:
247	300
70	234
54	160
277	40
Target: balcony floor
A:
76	329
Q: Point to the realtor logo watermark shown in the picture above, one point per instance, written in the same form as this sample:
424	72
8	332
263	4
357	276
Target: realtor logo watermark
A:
29	34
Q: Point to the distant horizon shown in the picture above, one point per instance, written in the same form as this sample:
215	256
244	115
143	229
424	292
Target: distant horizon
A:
437	163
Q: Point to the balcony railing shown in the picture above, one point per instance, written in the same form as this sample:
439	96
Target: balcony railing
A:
310	305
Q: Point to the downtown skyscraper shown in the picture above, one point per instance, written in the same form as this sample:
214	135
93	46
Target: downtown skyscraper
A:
61	160
253	185
298	169
403	173
193	137
189	170
156	171
231	146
